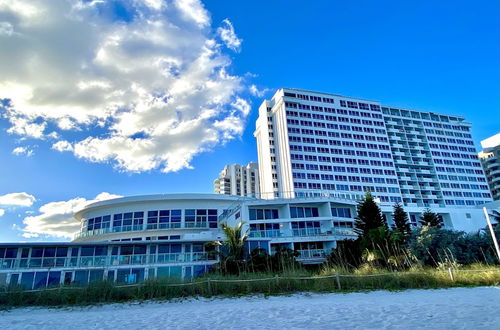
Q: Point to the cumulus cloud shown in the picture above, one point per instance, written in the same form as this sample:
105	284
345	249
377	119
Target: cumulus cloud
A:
2	212
56	218
149	89
62	146
255	91
17	199
23	151
228	35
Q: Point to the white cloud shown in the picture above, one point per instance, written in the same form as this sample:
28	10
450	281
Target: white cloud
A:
56	218
2	212
17	199
255	91
62	146
228	35
147	92
22	151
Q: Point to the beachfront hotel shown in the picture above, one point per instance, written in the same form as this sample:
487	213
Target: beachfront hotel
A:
318	154
317	143
130	239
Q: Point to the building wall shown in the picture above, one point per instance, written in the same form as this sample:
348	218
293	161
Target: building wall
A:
238	180
311	225
490	160
330	144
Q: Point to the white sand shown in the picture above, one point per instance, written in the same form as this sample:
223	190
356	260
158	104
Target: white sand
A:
460	308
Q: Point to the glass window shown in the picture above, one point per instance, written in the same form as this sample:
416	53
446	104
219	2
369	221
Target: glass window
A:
140	249
37	252
87	251
27	280
11	253
49	252
62	252
96	275
54	279
82	277
40	280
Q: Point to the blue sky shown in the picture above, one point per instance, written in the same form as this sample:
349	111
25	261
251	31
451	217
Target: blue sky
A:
426	55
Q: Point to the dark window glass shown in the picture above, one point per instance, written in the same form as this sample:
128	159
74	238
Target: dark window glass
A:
49	252
140	249
24	254
11	253
62	252
36	252
87	251
127	250
175	248
101	250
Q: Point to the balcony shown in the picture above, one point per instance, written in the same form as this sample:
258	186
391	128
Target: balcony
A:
103	261
312	255
157	226
302	232
265	233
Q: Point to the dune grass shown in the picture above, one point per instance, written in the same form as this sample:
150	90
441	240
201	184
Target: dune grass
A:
210	285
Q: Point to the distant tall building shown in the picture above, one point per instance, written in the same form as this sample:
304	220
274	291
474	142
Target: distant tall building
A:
315	142
238	180
490	158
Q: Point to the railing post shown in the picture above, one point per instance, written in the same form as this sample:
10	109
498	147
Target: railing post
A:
338	280
209	286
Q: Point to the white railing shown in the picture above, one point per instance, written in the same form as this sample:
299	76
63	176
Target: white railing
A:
308	195
102	261
176	225
312	254
302	232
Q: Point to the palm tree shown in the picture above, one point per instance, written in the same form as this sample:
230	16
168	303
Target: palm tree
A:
232	249
235	240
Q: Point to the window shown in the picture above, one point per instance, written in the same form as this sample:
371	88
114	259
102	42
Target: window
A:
164	219
341	212
201	218
263	214
303	212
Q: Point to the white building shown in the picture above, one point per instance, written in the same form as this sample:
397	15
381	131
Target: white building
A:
490	158
238	180
130	239
316	143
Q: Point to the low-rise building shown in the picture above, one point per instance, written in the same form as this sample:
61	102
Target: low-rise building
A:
130	239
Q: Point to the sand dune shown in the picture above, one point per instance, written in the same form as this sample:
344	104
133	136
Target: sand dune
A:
459	308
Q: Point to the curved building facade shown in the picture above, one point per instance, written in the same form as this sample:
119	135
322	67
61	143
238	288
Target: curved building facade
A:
130	239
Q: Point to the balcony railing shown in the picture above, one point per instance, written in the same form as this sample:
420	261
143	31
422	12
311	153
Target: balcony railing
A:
103	261
312	254
175	225
302	232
